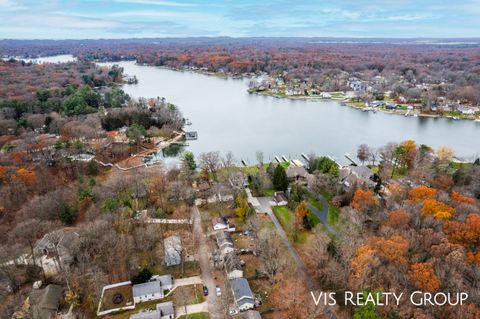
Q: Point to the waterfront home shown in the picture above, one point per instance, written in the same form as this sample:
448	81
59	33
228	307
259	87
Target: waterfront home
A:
357	85
238	180
296	173
151	290
173	250
242	294
280	199
467	110
350	175
325	95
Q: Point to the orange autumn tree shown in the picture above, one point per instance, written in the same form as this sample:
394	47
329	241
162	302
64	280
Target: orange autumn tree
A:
423	277
3	173
456	197
410	148
364	201
362	264
393	249
301	211
398	219
437	209
467	233
421	193
474	257
25	176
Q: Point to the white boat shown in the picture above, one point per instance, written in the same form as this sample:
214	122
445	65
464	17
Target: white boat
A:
477	120
415	115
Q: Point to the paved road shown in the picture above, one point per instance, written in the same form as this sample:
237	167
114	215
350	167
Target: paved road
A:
205	265
323	215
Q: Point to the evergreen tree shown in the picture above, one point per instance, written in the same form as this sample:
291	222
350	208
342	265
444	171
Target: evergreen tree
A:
280	181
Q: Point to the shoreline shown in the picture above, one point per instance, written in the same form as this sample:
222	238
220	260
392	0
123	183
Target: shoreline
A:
342	101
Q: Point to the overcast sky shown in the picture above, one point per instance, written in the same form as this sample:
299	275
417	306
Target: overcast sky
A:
240	18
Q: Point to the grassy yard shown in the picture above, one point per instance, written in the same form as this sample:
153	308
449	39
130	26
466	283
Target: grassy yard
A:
333	214
189	295
151	305
200	315
269	192
315	202
287	219
284	215
190	269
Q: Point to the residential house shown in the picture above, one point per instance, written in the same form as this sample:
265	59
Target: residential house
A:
173	250
162	310
280	199
219	224
224	242
166	281
233	266
350	175
238	180
296	172
45	302
55	248
150	290
357	85
242	294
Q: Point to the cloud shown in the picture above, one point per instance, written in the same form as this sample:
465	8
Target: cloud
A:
157	3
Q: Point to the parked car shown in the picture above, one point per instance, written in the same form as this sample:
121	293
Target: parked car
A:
219	291
232	312
205	291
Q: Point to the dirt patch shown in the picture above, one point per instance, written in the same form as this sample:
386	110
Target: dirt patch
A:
117	297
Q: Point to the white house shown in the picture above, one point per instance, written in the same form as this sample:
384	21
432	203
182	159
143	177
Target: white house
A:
162	311
151	290
242	294
233	266
166	281
280	199
224	242
219	224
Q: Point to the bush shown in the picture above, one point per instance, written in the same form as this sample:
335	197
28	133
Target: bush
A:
143	276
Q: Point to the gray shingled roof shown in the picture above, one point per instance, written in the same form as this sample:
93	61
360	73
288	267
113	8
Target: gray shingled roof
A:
165	308
241	289
147	288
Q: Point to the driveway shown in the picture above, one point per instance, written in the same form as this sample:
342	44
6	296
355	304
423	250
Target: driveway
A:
195	308
195	280
204	258
265	206
323	215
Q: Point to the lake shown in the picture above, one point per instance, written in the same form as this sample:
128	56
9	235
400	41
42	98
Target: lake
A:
228	118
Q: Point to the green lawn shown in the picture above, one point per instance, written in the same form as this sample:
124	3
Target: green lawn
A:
269	192
333	214
284	215
315	202
200	315
314	218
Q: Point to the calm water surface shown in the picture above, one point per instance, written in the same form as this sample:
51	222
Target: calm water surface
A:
228	118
